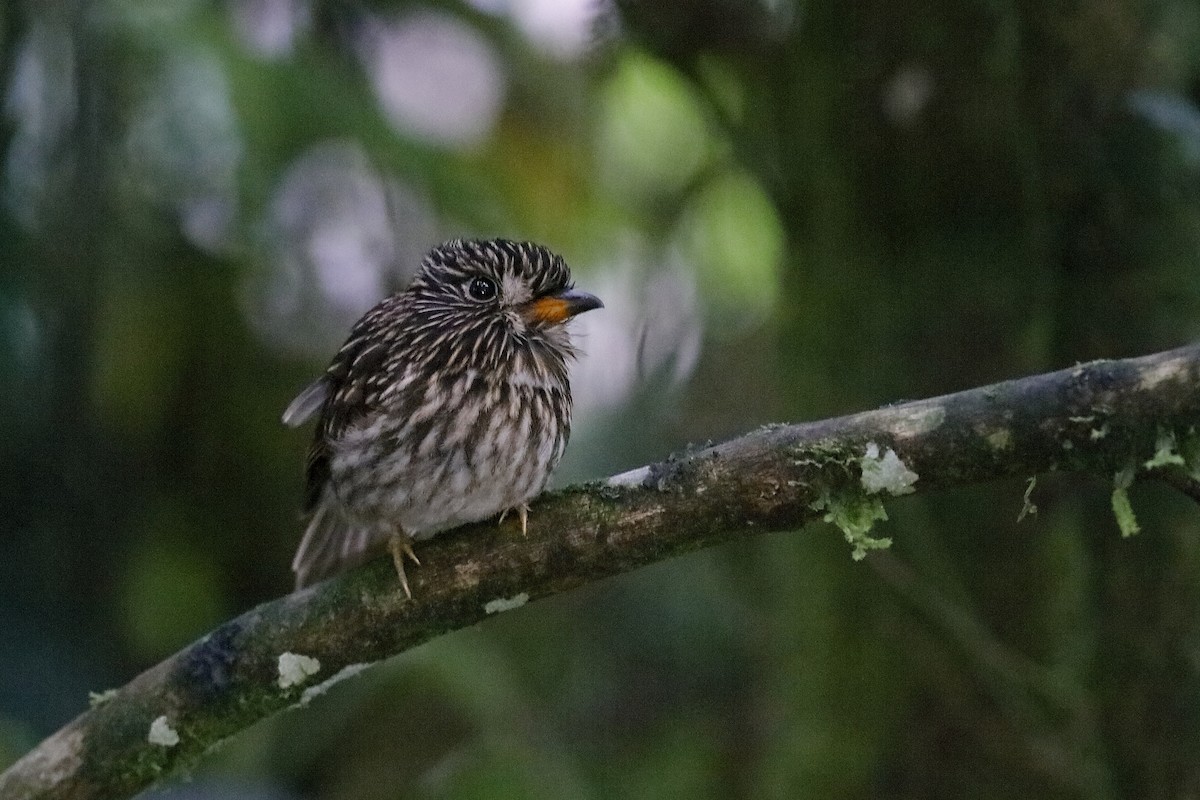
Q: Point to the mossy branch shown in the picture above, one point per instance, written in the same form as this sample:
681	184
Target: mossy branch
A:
1113	419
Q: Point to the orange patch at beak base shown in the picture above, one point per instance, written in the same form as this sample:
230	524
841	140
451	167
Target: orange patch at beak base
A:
557	308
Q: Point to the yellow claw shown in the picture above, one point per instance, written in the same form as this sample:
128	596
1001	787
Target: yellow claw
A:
400	545
522	515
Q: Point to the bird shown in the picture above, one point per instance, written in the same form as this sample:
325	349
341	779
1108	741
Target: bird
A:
450	402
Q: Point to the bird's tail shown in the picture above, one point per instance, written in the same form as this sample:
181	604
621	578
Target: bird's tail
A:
331	544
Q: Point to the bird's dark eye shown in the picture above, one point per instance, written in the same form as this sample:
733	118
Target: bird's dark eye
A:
482	288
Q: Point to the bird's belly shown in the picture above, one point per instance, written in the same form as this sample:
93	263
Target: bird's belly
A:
456	470
443	509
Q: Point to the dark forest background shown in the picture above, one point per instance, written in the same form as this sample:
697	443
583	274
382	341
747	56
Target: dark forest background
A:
791	209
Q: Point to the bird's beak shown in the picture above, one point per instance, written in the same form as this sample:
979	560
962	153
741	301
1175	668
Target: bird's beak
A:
555	308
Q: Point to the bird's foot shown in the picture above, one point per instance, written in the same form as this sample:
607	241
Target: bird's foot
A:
400	545
522	515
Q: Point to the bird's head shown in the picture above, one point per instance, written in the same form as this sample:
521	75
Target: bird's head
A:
500	294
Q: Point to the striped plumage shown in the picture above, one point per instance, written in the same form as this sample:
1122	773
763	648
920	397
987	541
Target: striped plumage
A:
446	405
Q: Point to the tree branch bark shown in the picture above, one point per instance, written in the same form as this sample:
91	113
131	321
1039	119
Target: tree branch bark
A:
1129	417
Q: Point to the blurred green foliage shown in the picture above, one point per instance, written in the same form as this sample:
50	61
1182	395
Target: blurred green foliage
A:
792	210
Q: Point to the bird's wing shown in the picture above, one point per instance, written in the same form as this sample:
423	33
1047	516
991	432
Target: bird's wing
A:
349	389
